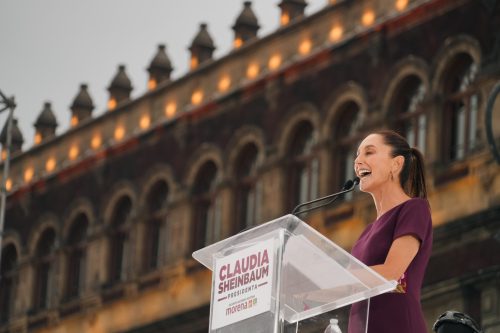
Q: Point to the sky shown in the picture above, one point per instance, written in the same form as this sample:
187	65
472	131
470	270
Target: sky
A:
49	47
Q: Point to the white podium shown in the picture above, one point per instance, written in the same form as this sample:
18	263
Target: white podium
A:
281	274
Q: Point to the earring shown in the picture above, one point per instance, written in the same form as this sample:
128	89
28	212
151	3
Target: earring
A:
392	177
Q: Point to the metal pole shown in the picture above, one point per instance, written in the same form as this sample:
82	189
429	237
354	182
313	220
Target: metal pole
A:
11	105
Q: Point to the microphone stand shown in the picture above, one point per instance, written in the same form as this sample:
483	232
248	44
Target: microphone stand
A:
349	186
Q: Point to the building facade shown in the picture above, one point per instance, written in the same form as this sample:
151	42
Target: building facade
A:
101	220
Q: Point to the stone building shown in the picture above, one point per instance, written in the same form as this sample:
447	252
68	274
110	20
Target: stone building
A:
101	220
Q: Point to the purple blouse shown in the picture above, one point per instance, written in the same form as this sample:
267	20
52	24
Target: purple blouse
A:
397	312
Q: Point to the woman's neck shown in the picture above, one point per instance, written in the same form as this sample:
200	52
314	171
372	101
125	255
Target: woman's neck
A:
388	197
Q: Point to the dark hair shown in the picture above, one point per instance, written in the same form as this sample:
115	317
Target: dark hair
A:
412	176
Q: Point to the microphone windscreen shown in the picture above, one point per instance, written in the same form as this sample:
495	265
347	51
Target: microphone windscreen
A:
347	185
355	181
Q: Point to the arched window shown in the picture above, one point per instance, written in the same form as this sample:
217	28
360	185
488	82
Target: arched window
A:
44	269
410	119
8	282
304	165
207	218
461	108
119	239
248	190
156	202
345	144
76	257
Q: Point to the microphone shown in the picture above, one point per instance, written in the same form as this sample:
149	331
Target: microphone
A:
349	186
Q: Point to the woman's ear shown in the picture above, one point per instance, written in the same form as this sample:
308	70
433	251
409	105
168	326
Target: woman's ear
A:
397	164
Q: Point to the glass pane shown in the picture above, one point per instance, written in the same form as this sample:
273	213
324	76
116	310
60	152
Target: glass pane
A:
162	246
125	258
410	133
422	132
314	178
82	269
213	222
416	98
44	285
304	185
209	221
473	121
258	202
250	207
153	243
460	133
218	219
117	256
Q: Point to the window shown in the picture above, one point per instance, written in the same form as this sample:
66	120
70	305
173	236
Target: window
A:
410	118
248	191
155	222
119	239
207	219
304	166
76	257
461	108
44	259
345	144
8	282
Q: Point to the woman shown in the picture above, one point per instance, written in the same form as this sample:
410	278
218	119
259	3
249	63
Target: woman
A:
398	244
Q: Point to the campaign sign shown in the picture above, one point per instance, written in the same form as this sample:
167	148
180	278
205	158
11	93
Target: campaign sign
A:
243	284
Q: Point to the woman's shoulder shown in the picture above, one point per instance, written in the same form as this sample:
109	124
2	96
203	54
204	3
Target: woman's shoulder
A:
417	208
416	203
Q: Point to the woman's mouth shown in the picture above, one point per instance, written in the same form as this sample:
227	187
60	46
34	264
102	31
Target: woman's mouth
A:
364	173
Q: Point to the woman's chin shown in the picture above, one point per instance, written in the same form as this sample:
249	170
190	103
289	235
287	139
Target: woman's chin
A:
364	185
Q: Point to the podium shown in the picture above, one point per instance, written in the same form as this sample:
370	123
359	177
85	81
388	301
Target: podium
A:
278	275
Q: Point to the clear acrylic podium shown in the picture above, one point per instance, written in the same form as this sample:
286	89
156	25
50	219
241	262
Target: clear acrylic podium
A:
280	274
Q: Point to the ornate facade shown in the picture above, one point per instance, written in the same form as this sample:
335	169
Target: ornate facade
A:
101	220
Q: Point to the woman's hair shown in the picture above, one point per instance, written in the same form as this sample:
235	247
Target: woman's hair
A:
412	177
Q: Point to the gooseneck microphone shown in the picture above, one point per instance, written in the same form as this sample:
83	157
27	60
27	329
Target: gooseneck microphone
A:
349	186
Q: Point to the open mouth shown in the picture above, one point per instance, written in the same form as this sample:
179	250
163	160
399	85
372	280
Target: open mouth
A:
364	173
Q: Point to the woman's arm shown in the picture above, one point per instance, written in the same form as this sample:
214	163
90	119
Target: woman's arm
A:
401	254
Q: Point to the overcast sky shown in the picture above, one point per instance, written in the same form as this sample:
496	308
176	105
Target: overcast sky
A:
49	47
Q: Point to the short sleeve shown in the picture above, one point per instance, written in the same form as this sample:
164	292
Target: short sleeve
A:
414	219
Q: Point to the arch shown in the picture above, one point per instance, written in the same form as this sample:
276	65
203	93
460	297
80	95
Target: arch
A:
80	229
203	154
405	68
119	190
240	139
48	220
302	112
456	68
79	206
350	92
159	172
453	47
12	237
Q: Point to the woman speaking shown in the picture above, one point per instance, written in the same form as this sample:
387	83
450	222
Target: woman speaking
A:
398	243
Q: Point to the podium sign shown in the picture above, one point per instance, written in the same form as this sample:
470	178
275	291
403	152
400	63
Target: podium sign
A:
243	284
283	272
